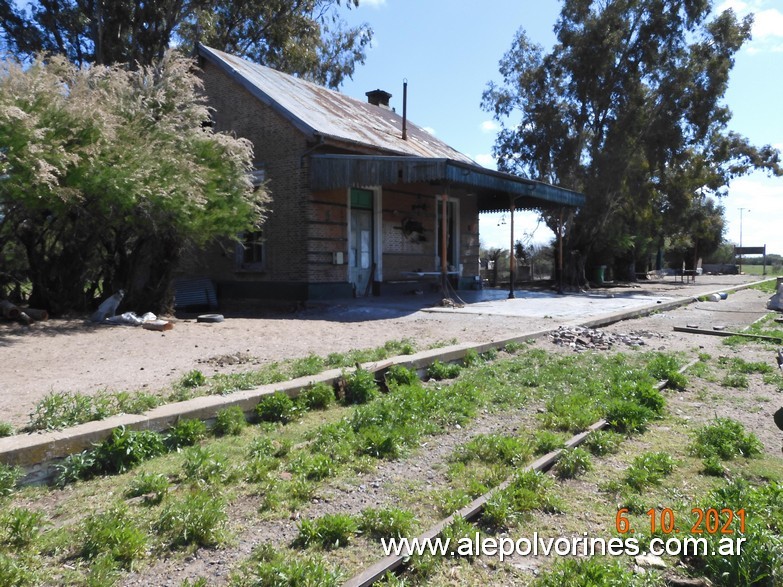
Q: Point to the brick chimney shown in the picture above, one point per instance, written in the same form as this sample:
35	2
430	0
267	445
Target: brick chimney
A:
379	98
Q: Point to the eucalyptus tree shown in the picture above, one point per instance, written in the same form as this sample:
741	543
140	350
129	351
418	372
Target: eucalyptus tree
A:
628	108
303	37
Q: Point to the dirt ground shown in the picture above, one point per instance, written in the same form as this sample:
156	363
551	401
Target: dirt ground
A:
77	356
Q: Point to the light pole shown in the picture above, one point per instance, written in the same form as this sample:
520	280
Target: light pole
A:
740	254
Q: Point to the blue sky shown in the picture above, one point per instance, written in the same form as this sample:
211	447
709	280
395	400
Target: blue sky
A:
448	50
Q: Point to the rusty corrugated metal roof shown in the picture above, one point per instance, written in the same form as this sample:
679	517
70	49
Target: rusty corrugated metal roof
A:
316	110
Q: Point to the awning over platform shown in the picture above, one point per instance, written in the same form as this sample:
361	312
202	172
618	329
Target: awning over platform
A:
495	190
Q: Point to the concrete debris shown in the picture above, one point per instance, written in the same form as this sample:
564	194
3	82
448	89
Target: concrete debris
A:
582	339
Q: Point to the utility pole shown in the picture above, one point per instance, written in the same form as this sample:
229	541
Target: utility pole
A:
740	254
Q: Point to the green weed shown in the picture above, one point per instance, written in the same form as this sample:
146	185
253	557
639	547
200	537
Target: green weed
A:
309	365
192	379
198	518
186	432
277	407
572	463
114	534
329	531
203	464
494	448
152	486
529	490
24	526
125	449
648	469
230	421
439	371
9	477
317	396
725	438
359	387
603	442
592	572
400	375
275	569
6	429
386	523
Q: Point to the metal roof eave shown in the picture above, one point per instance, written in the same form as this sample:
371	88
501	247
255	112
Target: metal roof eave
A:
343	171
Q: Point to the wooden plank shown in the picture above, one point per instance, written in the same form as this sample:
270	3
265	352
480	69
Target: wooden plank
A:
726	333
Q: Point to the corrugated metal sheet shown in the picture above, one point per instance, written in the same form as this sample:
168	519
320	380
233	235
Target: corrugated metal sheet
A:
316	110
493	188
194	294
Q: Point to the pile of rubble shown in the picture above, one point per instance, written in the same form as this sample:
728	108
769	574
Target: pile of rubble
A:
582	339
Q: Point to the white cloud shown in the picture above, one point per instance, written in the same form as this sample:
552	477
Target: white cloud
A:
768	23
372	3
490	126
485	160
767	31
429	129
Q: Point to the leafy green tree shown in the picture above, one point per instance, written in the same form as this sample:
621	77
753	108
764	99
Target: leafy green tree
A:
626	108
304	37
109	174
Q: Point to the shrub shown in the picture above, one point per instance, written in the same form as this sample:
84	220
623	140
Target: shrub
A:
359	387
440	371
198	519
9	476
572	463
725	438
277	407
230	421
113	533
386	523
329	531
186	433
125	449
150	485
317	396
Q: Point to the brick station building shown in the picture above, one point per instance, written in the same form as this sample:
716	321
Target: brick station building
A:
358	193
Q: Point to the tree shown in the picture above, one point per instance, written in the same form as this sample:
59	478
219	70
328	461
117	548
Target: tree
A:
108	174
304	37
626	108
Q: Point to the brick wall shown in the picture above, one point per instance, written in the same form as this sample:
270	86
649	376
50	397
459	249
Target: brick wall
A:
278	148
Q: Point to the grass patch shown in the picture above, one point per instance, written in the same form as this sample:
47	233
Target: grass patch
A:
277	407
528	491
6	429
386	523
273	568
114	535
494	448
